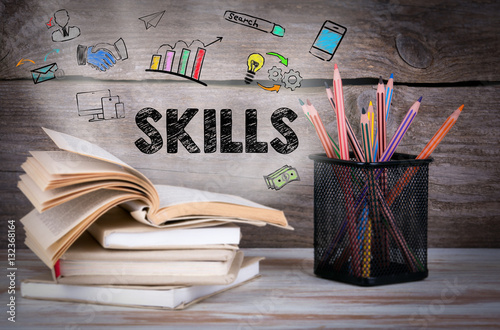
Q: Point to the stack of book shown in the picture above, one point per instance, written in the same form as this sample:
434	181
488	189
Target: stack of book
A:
101	226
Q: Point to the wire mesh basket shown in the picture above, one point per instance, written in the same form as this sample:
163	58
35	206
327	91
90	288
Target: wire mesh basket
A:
370	220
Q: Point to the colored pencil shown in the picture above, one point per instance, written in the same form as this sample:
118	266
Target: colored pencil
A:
366	221
353	141
381	127
424	154
339	101
312	113
440	134
366	138
388	96
400	132
334	144
371	118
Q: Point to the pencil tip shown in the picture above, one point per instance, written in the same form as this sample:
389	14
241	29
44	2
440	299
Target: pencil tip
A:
371	104
462	107
420	99
326	85
363	111
308	102
392	76
300	101
335	67
380	81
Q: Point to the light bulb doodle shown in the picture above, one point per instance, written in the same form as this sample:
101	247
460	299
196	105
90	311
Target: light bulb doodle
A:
255	62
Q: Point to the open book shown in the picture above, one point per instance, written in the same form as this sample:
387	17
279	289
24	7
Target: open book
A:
73	187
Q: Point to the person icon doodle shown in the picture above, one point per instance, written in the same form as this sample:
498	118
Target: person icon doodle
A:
65	32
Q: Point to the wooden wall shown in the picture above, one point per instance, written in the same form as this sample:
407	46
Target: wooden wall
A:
445	51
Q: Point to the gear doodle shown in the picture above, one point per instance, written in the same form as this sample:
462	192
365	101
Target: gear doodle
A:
274	73
292	79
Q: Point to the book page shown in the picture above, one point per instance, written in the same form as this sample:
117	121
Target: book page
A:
44	200
82	147
171	195
54	223
68	163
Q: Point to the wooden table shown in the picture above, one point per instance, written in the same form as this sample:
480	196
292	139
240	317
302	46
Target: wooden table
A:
462	291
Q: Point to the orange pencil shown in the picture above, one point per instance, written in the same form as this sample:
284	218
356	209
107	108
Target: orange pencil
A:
424	154
440	134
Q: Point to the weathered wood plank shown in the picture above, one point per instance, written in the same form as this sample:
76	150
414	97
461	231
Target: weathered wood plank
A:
462	290
432	42
463	189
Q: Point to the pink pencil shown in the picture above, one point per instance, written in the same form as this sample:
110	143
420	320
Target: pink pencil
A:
339	101
312	113
381	127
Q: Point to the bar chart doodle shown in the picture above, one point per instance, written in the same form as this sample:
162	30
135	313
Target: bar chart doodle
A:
176	60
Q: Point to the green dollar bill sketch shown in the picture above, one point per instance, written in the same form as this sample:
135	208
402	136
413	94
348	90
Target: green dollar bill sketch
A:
281	177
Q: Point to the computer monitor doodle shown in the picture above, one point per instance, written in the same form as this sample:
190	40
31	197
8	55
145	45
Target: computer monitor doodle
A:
100	105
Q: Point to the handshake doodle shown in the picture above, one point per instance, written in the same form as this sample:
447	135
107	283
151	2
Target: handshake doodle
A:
102	56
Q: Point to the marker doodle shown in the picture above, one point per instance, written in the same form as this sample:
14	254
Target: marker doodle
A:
255	23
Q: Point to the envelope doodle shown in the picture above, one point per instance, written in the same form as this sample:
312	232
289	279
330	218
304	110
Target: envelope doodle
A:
44	73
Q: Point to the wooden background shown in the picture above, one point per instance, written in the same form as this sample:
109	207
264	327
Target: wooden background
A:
446	51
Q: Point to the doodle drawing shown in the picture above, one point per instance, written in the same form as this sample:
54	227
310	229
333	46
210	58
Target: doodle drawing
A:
102	56
100	105
64	32
152	20
177	59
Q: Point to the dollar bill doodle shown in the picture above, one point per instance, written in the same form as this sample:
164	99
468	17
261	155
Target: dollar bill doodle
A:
281	177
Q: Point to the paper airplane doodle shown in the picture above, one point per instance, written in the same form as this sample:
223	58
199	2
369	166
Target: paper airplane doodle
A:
152	20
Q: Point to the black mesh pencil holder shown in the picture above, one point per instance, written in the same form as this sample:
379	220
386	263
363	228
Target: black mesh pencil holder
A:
370	220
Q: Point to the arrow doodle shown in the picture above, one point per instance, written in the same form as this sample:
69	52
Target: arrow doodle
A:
23	60
218	39
53	50
281	57
273	88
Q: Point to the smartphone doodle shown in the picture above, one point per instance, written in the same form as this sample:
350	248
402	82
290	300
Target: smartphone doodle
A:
327	40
